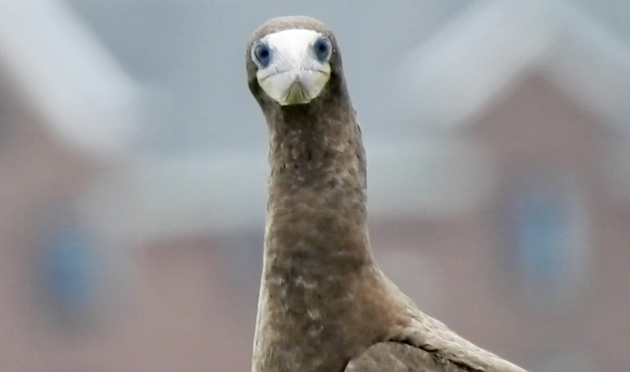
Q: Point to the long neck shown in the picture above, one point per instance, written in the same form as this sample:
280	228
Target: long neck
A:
317	189
316	244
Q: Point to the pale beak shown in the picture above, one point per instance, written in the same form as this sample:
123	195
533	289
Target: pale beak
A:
294	79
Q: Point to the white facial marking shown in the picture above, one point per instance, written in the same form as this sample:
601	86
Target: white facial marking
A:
294	75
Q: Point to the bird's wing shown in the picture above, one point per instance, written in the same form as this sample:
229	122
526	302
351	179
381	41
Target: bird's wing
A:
400	357
436	338
434	342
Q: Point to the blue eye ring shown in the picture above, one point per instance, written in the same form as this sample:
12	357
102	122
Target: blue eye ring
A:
323	49
261	54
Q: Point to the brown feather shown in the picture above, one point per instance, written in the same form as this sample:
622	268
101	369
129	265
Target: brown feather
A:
324	304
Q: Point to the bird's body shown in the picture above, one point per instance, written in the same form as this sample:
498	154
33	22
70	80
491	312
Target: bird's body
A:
324	304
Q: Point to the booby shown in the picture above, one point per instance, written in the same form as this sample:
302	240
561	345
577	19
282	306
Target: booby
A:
324	304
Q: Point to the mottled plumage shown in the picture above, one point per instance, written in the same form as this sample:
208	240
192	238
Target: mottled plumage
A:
324	304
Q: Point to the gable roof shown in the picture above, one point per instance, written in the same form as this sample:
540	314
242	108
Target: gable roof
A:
66	77
476	58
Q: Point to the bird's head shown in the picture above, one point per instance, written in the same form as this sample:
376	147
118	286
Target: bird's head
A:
291	60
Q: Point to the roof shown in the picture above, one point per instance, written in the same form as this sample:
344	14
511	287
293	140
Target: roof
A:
64	75
464	68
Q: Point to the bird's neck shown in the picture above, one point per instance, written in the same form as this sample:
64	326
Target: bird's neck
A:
316	245
317	189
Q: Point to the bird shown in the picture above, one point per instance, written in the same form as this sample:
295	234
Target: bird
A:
324	304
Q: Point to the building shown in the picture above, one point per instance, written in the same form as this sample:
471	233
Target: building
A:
539	92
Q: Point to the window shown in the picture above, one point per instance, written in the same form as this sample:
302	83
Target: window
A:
74	271
547	234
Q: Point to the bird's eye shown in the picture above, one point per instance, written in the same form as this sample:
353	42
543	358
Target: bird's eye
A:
323	49
261	54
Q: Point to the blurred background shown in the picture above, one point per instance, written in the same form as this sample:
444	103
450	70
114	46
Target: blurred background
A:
133	176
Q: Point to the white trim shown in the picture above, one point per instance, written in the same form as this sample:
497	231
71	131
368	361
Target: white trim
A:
451	78
63	73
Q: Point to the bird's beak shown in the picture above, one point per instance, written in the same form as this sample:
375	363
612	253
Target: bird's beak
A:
294	78
296	85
